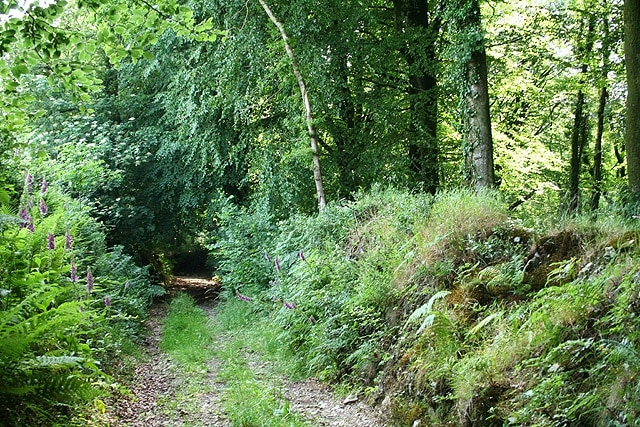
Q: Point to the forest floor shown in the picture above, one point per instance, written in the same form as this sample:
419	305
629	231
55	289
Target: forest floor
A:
164	395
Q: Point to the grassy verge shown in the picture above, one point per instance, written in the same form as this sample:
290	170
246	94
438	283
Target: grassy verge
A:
186	336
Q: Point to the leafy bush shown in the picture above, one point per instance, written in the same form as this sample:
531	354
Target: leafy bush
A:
240	245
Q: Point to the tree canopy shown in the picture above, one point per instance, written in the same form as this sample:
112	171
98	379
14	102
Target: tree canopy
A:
183	108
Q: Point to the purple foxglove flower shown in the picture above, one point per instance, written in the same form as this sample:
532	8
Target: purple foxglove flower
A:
289	305
267	257
301	255
31	227
242	297
68	240
30	203
23	213
312	320
277	264
90	279
43	207
74	273
51	241
107	301
27	221
44	187
28	182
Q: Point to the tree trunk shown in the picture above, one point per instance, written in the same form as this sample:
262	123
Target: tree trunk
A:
478	141
423	149
597	154
577	147
317	173
602	103
348	145
632	62
579	132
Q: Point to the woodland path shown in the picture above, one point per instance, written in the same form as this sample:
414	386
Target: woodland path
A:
157	383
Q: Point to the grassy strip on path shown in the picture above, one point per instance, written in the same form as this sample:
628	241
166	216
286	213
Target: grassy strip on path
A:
253	393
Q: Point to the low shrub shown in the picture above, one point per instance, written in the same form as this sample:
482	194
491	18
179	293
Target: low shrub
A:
454	311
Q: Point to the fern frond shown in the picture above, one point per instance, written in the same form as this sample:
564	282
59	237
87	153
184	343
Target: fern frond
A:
425	309
484	322
426	323
58	361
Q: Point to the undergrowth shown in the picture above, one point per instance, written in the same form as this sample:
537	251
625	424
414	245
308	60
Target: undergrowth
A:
69	308
449	310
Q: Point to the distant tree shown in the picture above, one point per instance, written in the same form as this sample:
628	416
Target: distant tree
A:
598	151
579	129
418	24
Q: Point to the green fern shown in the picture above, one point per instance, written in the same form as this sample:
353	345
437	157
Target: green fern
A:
484	322
426	311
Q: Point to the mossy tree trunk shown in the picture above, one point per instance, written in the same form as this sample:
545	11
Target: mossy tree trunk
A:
478	138
477	144
632	62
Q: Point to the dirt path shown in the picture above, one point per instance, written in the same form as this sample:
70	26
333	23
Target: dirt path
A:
155	391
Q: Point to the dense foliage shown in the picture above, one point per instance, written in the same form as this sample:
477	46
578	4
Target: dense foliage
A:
68	304
155	130
448	309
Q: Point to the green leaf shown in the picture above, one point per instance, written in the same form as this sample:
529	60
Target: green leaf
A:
204	26
428	307
18	70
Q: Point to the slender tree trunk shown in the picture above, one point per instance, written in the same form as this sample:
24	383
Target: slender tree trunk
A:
579	131
597	154
602	103
317	173
632	62
577	147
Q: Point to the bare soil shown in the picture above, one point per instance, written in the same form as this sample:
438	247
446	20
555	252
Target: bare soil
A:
157	381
